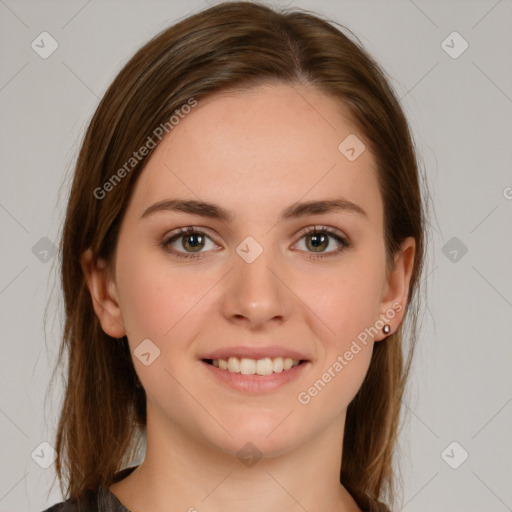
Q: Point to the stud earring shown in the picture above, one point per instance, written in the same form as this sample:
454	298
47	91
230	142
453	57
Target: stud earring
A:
386	329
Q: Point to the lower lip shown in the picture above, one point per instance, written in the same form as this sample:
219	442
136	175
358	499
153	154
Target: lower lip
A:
256	384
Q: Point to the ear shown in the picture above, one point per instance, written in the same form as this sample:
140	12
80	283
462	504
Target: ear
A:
396	288
103	294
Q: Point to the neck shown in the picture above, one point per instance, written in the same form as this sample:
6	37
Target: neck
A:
190	475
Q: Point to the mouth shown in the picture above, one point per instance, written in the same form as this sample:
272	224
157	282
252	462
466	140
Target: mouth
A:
255	377
260	367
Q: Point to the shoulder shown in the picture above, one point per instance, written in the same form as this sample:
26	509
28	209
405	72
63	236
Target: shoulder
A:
66	506
95	500
88	503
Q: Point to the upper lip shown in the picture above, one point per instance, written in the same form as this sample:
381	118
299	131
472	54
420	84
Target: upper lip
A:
255	353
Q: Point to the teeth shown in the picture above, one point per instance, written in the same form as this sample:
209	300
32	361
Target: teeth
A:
264	366
247	366
234	365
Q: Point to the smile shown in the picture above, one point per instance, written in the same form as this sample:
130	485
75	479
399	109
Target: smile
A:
247	366
241	374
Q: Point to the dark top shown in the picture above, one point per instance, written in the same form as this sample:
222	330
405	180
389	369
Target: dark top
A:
103	500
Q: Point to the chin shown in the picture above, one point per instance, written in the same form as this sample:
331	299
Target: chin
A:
268	436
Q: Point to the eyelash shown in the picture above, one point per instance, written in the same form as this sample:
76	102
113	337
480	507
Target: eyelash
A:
345	243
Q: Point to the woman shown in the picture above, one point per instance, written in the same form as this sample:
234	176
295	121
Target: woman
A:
243	241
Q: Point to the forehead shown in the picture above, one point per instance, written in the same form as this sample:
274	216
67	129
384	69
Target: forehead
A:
262	148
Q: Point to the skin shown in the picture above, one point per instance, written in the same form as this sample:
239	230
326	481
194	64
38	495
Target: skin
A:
253	153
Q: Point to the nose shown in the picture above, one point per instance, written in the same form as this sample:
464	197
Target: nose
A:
256	293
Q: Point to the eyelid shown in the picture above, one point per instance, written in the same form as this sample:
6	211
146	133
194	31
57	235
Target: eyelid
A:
187	230
304	231
335	233
321	228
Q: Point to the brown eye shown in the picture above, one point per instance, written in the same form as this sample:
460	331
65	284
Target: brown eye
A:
192	241
318	240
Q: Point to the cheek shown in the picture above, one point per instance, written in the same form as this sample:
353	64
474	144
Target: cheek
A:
157	299
345	298
343	365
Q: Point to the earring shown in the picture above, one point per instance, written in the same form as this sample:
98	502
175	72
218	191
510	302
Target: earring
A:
386	329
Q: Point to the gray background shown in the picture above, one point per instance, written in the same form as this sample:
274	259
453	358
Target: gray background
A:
459	109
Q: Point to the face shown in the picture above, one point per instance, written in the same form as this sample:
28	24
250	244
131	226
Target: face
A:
259	279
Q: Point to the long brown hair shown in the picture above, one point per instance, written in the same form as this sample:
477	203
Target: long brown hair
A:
233	45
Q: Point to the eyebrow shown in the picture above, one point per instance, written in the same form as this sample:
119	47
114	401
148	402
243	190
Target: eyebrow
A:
213	211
